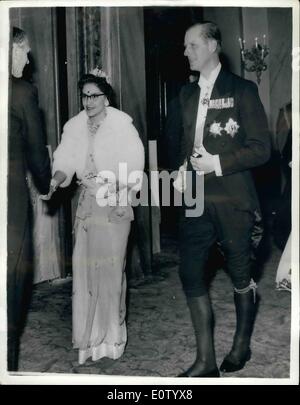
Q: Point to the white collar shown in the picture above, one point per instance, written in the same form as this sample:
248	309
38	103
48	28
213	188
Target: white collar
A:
203	82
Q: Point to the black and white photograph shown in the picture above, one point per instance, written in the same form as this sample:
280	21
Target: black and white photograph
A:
149	193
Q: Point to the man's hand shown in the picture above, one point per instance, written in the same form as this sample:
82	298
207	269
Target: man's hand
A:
53	187
47	197
204	163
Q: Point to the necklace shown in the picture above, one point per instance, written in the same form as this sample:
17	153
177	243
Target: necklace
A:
93	127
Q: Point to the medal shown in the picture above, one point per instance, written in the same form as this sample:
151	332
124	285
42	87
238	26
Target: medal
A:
205	100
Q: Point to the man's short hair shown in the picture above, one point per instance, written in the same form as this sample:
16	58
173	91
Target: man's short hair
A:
210	30
19	36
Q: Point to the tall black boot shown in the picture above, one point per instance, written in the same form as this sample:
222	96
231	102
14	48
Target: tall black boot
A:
240	353
202	319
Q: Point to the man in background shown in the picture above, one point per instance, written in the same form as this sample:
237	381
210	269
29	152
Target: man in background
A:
26	151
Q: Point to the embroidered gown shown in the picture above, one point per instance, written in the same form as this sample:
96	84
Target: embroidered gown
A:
99	281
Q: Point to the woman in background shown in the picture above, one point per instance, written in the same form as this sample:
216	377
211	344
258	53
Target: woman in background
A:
93	145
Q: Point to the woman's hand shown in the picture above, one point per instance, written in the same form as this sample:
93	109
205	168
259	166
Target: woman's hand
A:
119	214
58	178
47	197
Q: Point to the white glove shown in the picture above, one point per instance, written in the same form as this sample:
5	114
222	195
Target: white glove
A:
180	182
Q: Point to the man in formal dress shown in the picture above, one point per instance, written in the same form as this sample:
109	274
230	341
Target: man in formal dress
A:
225	134
26	151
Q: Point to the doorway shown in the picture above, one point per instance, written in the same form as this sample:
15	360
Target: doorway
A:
167	70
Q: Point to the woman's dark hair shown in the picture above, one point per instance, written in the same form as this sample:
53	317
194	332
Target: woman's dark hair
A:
102	85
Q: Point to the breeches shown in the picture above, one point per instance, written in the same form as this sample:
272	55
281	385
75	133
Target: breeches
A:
222	223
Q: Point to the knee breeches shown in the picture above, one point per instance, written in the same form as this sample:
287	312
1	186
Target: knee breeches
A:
232	229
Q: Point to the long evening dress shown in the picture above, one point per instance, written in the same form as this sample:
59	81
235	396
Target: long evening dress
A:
99	281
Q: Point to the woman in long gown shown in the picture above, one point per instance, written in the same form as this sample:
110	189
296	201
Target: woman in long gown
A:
97	144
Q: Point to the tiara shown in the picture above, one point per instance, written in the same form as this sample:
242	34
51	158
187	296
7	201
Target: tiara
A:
99	73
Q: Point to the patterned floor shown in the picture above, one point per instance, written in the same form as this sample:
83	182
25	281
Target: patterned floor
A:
160	337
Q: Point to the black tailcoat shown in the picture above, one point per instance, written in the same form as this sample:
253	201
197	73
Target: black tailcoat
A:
26	151
233	100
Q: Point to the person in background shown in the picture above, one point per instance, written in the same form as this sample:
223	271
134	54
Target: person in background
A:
26	152
283	219
225	135
282	225
96	144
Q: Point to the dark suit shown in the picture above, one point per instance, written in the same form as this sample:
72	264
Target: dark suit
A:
26	151
230	200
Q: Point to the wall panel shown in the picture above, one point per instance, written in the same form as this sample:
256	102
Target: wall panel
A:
280	32
229	22
39	26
